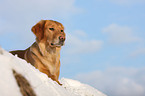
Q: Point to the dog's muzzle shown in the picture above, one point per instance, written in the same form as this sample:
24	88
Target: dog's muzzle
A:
60	43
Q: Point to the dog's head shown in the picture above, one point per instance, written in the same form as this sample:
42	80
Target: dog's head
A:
49	31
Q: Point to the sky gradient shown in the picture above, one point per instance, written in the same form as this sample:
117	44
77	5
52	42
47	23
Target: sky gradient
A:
105	44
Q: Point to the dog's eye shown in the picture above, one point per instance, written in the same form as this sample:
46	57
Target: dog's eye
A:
52	29
61	30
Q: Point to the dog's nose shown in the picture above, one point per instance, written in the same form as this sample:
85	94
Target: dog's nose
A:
61	38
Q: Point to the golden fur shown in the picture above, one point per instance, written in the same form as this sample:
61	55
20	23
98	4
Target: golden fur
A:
44	54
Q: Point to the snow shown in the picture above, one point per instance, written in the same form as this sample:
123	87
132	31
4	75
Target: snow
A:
41	84
80	89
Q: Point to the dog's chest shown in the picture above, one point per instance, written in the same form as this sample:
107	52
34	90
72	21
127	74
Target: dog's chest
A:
49	58
51	62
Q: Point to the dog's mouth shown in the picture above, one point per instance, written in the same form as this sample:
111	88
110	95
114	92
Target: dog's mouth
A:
57	44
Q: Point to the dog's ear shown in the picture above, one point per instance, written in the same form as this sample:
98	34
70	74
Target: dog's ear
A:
38	29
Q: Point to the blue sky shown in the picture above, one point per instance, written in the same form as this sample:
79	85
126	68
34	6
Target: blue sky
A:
105	44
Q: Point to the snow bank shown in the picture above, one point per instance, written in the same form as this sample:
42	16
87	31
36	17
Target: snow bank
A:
41	84
80	89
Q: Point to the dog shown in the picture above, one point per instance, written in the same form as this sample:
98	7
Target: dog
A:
44	53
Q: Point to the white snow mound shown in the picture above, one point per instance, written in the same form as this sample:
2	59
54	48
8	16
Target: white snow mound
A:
41	84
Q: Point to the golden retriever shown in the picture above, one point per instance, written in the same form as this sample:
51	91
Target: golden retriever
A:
44	54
